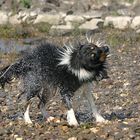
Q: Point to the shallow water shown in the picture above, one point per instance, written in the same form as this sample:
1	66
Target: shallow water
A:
16	46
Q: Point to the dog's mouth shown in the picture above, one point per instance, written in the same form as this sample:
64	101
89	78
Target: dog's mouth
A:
104	53
103	57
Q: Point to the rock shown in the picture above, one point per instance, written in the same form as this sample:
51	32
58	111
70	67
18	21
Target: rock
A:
27	16
19	138
3	17
120	22
118	135
92	14
92	24
100	4
72	138
22	15
138	31
136	7
137	129
74	19
132	135
61	29
14	20
94	129
136	22
54	19
81	6
66	5
126	12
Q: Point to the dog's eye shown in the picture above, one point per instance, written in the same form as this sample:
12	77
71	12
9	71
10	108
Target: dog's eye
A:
92	55
92	48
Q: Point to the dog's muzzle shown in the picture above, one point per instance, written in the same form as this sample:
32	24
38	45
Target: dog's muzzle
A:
105	52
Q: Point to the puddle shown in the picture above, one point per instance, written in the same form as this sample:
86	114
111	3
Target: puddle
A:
16	46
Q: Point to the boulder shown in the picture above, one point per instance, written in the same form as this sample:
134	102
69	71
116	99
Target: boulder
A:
54	19
61	29
120	22
14	19
92	24
74	19
92	14
3	17
136	23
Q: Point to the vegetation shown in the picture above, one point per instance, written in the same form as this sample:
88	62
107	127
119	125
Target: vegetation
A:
26	3
24	30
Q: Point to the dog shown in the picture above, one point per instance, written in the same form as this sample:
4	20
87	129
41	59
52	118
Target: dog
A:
67	69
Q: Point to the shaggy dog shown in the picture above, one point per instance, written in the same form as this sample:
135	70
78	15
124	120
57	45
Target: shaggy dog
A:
50	67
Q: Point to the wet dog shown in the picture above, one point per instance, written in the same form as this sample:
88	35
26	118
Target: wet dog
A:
69	68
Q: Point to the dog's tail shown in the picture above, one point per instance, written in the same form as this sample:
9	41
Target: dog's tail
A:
13	70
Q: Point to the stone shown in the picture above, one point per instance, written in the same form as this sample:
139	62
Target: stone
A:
54	19
74	19
120	22
72	138
61	29
3	17
19	138
92	14
125	12
22	14
138	31
14	20
81	6
136	22
92	24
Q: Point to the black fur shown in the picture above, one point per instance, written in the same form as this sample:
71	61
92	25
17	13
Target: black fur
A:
42	69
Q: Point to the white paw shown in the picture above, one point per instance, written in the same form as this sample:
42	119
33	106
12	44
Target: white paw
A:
27	116
27	119
72	122
100	119
71	119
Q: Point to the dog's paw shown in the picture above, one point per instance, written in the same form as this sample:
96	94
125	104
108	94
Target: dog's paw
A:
71	119
72	122
27	120
100	119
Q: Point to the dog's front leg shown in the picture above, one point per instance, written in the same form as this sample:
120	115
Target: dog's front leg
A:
71	119
89	96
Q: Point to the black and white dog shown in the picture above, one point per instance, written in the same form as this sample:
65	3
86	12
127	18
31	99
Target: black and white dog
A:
52	67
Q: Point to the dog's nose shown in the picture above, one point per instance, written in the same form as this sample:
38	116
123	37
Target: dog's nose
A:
106	49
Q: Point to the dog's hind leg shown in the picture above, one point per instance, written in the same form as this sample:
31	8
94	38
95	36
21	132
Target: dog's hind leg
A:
42	105
26	114
88	94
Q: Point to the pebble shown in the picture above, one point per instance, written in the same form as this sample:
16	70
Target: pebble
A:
72	138
19	138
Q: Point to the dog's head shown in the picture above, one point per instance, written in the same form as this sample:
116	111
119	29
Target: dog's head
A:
91	56
85	60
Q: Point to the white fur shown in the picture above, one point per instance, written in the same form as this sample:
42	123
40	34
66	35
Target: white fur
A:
99	118
26	116
71	118
82	74
66	55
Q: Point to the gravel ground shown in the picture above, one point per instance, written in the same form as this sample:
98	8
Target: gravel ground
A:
117	98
